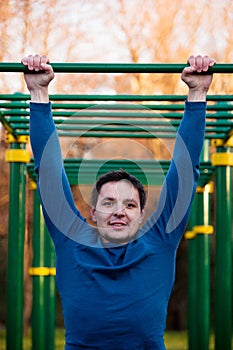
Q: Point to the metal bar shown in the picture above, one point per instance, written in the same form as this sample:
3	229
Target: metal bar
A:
15	274
121	97
203	278
223	257
23	122
192	281
93	107
89	113
153	170
203	263
133	128
38	306
73	67
126	135
7	125
50	293
44	290
101	106
222	126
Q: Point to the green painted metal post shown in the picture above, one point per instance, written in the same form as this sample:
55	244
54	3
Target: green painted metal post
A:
50	292
15	273
199	266
203	230
192	273
38	306
44	291
223	160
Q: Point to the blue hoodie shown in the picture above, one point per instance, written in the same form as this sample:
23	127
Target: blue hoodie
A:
116	297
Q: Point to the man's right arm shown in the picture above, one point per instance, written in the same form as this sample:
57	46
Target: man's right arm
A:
56	197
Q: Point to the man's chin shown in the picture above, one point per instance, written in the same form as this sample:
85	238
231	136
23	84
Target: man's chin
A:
117	238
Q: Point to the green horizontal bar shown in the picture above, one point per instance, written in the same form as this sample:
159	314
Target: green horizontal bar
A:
69	163
130	132
118	124
94	107
174	118
147	163
133	129
129	135
123	131
14	116
23	122
115	106
115	67
149	170
89	113
121	97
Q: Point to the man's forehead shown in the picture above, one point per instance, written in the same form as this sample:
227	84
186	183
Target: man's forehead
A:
114	189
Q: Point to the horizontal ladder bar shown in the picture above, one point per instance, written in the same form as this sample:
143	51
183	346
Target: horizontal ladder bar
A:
115	67
117	106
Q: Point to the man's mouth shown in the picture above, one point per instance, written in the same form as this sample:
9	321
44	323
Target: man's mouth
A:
117	224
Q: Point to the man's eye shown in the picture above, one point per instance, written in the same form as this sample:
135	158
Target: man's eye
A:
131	205
107	204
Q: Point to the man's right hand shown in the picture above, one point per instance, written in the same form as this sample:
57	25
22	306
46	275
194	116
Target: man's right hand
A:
198	83
37	83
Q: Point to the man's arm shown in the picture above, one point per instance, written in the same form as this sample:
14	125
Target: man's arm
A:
56	197
170	218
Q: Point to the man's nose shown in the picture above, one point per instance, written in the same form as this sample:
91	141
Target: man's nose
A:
119	209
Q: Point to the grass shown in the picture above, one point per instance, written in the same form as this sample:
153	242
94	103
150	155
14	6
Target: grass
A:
173	340
176	340
59	340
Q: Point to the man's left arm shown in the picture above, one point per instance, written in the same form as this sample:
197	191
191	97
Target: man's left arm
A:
170	218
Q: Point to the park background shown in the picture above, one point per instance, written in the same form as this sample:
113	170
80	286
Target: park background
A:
119	31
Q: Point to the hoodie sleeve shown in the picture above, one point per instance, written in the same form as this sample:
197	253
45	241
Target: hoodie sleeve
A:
169	220
59	209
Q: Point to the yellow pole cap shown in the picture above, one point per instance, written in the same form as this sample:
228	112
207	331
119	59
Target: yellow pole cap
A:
189	235
17	155
222	158
203	229
42	271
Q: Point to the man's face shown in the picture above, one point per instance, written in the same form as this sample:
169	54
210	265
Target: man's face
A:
117	212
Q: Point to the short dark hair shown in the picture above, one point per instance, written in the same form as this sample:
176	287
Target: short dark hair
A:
117	175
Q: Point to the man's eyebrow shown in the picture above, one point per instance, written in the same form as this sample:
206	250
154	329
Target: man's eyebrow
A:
108	198
131	200
112	199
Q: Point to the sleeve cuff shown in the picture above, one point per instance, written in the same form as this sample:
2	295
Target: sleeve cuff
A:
191	105
41	107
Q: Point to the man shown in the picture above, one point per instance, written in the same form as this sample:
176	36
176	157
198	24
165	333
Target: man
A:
115	280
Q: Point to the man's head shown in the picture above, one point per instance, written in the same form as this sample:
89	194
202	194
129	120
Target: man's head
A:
118	201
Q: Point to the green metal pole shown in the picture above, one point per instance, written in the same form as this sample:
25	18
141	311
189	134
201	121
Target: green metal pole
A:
192	276
223	160
115	67
50	293
16	228
203	230
121	97
38	306
44	291
223	106
199	267
203	272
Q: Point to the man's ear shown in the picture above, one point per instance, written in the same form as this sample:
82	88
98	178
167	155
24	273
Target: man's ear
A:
93	217
142	215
